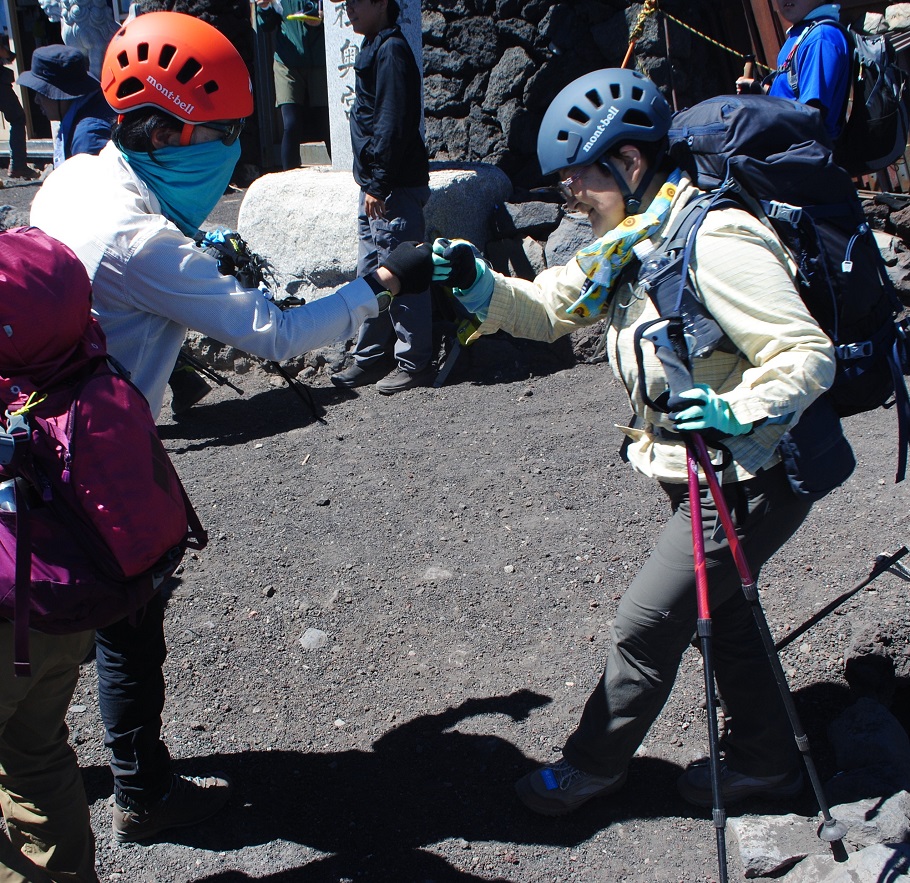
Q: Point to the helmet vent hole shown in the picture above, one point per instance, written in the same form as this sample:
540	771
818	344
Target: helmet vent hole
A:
637	118
615	90
594	97
210	86
130	86
188	71
123	59
563	136
637	93
579	116
142	52
165	56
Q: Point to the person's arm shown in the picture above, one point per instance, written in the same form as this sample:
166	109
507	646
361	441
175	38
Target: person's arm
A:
89	136
743	278
823	62
171	277
268	17
538	309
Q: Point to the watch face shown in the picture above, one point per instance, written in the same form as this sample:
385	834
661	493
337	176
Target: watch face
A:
383	300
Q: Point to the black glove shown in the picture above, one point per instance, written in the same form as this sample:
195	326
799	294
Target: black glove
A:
412	264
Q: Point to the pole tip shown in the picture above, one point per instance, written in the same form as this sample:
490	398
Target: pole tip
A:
832	830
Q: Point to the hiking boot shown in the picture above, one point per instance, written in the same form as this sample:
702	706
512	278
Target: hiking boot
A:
187	389
26	172
400	380
560	788
192	799
358	376
695	784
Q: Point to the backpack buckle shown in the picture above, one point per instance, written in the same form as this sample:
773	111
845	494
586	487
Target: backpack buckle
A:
848	351
16	434
782	211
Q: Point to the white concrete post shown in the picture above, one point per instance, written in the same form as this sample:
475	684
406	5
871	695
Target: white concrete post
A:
341	45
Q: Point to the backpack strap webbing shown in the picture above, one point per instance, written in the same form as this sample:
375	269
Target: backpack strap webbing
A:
23	581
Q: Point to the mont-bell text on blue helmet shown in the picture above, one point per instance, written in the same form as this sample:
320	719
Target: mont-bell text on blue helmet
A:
601	128
171	96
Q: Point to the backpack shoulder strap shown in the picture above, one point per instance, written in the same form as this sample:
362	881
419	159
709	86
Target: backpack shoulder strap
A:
789	65
666	280
23	577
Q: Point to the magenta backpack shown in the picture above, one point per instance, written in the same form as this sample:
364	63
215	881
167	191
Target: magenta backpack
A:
93	517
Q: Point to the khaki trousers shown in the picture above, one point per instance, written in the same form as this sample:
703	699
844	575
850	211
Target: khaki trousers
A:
41	792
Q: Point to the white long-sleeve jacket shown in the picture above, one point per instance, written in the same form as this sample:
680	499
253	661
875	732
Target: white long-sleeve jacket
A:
150	282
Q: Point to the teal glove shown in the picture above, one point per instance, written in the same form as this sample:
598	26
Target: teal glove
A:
708	411
455	263
452	264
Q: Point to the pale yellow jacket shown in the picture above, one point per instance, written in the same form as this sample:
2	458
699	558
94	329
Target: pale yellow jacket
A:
745	278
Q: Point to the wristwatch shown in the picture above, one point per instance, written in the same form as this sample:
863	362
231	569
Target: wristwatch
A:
383	295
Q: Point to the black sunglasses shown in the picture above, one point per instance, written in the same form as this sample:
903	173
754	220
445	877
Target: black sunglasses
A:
230	132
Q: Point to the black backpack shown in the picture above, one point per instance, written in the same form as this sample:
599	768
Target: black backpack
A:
770	157
877	118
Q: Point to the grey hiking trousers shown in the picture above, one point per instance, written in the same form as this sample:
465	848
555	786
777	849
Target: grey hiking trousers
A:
656	622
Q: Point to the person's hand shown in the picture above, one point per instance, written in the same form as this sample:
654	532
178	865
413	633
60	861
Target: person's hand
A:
412	264
707	411
749	86
263	4
456	264
373	206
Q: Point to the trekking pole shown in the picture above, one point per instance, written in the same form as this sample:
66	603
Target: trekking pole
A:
187	359
302	391
831	830
718	813
882	564
669	344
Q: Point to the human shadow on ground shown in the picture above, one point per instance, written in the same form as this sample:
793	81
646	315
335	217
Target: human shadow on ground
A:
240	420
425	781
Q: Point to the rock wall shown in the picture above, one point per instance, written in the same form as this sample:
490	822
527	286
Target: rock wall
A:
491	67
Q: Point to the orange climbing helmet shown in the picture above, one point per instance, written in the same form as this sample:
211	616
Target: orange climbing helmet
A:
179	64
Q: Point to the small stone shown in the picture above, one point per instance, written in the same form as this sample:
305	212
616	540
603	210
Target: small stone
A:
339	724
509	568
434	573
313	639
77	709
323	502
268	591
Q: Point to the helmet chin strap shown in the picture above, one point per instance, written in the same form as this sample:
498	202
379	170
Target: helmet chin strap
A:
632	200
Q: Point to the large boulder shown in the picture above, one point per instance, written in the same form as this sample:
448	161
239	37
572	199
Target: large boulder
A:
462	199
304	221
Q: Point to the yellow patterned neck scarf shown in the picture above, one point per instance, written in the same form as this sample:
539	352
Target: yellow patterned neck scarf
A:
603	260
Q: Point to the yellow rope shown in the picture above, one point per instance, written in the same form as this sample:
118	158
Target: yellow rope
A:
30	403
649	7
682	24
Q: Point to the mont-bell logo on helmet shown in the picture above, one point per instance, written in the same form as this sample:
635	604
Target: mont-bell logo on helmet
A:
601	128
171	96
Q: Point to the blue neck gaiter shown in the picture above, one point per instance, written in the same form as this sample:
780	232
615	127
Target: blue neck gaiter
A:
188	181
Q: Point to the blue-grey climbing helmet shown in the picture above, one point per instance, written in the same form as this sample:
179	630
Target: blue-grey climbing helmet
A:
597	111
